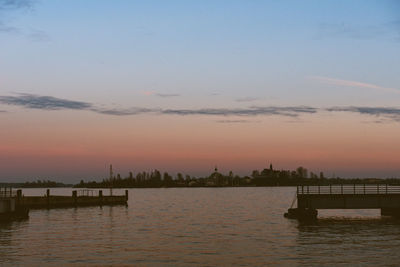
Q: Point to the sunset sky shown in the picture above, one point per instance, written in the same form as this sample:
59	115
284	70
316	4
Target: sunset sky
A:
188	85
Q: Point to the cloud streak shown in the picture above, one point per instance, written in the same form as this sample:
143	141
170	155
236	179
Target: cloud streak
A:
15	4
252	111
385	112
43	102
49	103
11	5
125	112
53	103
348	83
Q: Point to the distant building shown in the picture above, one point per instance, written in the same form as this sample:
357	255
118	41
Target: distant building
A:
268	172
215	179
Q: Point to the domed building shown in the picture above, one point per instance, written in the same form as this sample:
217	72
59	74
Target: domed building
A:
215	179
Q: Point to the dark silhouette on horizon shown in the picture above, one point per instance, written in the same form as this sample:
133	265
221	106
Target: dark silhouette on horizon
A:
36	184
266	177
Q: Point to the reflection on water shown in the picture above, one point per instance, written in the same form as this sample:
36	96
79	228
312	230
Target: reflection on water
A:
340	240
198	226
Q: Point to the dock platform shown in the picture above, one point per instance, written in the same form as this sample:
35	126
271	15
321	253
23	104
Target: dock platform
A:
77	199
344	196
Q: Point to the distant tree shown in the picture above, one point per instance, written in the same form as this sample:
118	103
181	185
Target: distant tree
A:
139	178
302	172
167	179
156	175
255	174
155	178
180	178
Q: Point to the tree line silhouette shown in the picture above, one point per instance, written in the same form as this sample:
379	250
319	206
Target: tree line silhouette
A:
36	184
266	177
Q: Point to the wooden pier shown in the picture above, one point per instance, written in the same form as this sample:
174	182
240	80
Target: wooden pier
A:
9	208
77	199
14	205
357	196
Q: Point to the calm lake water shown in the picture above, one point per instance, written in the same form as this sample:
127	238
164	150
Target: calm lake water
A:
198	227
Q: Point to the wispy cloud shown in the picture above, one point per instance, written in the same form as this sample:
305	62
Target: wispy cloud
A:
125	112
54	103
43	102
50	103
10	6
167	95
348	83
247	99
15	4
252	111
385	112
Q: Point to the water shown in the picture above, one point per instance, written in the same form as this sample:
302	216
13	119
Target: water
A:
198	227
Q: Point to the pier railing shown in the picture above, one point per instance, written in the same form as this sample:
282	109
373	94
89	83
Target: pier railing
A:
7	192
88	193
354	189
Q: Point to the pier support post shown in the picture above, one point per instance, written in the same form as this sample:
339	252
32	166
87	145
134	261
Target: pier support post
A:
101	197
19	197
75	197
126	195
48	197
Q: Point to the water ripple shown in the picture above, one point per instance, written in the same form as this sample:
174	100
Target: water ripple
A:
198	226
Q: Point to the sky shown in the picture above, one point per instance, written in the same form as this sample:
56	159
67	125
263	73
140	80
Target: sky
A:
184	86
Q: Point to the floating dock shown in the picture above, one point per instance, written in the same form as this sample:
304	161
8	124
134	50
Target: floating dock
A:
14	205
358	196
78	198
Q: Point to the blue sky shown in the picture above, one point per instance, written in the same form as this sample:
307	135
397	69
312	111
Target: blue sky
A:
188	56
235	48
